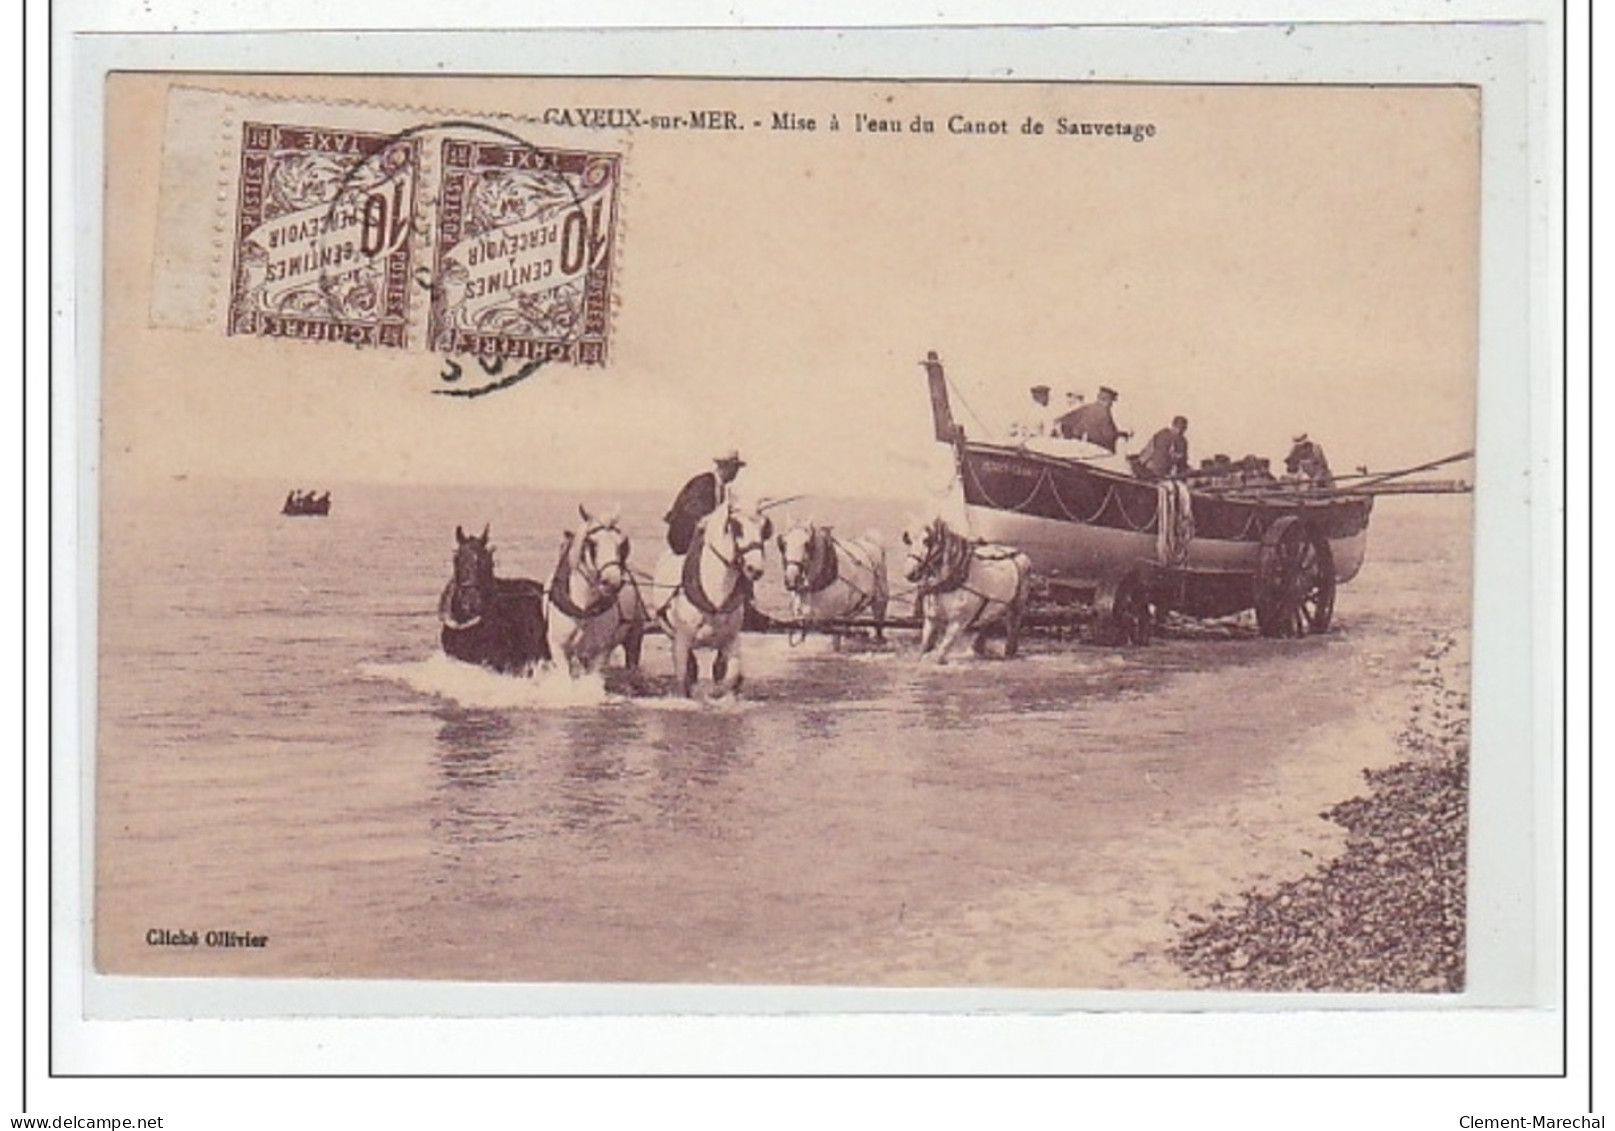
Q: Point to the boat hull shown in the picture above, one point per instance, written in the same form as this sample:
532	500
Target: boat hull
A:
1085	527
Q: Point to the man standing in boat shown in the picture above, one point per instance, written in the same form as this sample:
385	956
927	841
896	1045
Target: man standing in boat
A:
1306	462
1167	453
1040	422
1094	423
698	498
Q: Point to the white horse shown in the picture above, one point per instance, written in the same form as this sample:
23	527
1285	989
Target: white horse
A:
707	592
965	586
832	578
594	601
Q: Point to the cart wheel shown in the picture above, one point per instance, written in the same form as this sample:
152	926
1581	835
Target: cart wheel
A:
1123	609
1295	580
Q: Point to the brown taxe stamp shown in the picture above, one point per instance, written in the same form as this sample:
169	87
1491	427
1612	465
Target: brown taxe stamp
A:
323	245
525	244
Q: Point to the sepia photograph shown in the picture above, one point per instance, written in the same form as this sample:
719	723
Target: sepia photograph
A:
812	533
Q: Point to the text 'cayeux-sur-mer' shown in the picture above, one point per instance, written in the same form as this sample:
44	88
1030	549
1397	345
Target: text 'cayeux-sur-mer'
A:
714	119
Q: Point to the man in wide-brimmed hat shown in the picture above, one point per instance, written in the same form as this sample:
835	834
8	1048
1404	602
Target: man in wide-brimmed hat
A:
1093	422
698	498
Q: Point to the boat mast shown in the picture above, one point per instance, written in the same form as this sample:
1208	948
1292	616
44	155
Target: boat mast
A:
941	412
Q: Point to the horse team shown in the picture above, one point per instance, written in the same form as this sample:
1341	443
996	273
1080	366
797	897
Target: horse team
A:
595	603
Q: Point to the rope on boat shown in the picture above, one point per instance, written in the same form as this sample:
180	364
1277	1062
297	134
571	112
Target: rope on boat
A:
1044	476
966	403
1121	507
1065	508
1113	496
1018	508
1174	510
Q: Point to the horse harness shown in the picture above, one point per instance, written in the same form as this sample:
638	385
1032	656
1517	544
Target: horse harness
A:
482	581
450	617
950	557
690	581
561	587
822	568
820	571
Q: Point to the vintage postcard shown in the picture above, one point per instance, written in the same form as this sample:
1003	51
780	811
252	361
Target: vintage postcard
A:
1006	535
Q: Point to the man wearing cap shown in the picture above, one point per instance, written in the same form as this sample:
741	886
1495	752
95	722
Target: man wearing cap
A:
1167	453
1040	422
1093	422
699	497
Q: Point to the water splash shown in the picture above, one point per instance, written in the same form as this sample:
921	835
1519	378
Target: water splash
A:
471	686
468	685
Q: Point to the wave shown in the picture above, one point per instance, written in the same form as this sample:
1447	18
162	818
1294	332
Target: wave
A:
473	686
545	690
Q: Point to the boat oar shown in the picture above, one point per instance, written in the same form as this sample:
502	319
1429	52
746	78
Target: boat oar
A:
1412	470
1344	484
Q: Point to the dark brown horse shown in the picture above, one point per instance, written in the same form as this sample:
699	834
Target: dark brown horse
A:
497	622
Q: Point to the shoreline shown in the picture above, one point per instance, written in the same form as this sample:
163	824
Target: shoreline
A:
1120	920
1387	915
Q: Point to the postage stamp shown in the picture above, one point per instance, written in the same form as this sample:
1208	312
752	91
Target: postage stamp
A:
365	224
322	234
524	243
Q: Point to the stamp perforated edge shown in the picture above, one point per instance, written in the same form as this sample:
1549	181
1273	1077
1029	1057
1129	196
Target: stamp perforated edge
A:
231	109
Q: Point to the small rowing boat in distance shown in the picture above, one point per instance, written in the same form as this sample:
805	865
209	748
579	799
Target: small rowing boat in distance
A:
306	504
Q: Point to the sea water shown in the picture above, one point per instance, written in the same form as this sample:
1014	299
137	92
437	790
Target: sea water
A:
283	749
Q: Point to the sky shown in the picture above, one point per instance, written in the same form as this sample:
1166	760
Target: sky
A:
1272	260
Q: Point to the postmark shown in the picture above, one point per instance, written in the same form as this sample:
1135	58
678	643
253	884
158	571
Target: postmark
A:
525	241
323	246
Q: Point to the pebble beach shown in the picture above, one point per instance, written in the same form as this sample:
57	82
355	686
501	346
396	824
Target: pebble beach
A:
1387	915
